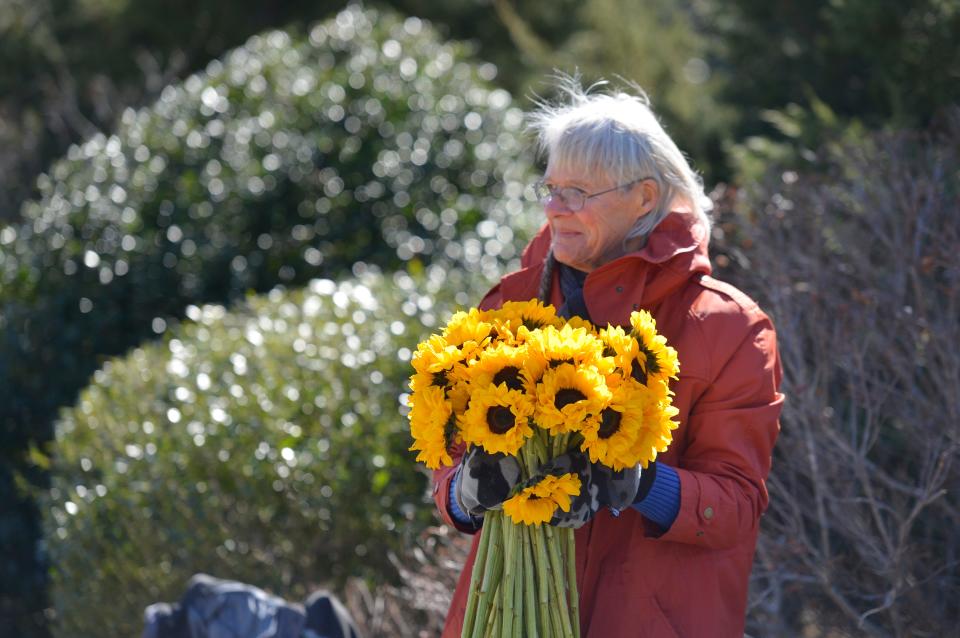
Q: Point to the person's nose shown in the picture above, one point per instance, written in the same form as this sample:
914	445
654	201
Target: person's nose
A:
555	207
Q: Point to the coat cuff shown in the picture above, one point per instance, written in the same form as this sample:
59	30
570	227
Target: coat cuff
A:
695	519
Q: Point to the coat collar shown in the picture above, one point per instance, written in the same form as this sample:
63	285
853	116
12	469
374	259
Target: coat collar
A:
675	251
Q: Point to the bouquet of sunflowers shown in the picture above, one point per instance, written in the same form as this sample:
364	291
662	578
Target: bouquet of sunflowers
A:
523	382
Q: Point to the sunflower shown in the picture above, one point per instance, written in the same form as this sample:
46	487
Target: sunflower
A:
436	363
621	347
536	504
569	345
528	315
431	425
611	439
503	363
656	433
459	396
468	331
568	396
579	322
656	359
659	390
497	419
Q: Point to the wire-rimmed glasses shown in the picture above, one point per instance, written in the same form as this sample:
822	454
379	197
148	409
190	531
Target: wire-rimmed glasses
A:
573	199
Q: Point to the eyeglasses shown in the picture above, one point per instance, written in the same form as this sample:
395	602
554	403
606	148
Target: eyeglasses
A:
573	199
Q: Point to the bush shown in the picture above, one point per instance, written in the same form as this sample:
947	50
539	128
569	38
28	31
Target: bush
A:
798	74
286	160
70	68
858	267
880	62
265	444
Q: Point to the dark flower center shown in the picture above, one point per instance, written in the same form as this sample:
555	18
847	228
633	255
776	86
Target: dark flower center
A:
449	430
532	324
653	366
440	378
609	423
567	396
556	363
500	419
511	376
637	372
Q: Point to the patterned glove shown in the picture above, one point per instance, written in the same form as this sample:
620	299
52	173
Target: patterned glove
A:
484	481
600	487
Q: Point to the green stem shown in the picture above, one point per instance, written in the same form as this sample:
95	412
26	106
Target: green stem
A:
528	459
529	582
544	451
557	626
518	587
543	579
491	573
475	580
494	621
499	628
559	586
510	565
570	556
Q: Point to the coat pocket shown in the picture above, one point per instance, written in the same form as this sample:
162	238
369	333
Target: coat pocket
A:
617	614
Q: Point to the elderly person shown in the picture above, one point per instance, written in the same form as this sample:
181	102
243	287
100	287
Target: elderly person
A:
627	229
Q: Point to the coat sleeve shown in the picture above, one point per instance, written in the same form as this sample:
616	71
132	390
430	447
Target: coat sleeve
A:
730	433
443	476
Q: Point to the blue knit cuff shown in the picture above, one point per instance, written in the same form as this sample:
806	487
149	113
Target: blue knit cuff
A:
458	514
662	502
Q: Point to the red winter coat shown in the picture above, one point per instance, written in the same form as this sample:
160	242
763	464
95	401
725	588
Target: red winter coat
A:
634	579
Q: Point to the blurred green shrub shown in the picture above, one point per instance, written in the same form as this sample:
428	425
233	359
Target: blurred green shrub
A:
802	139
883	62
265	444
288	159
800	73
68	69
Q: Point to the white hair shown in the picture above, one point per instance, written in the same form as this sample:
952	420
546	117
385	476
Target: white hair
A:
616	135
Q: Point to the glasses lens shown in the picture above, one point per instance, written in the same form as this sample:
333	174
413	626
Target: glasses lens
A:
542	191
573	198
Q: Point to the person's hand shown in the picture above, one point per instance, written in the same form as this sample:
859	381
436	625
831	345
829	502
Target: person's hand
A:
484	481
600	486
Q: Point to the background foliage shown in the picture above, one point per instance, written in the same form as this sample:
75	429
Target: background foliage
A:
265	444
287	160
69	68
830	123
858	265
803	74
719	72
366	139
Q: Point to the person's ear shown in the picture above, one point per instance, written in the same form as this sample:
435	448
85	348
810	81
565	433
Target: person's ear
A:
649	196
